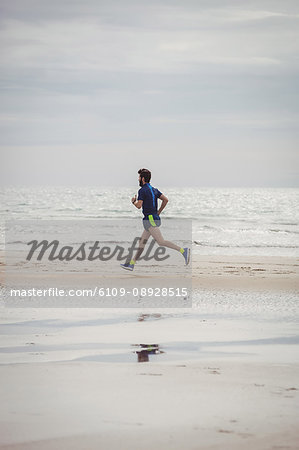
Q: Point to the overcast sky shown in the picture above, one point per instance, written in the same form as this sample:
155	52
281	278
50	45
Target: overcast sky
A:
202	92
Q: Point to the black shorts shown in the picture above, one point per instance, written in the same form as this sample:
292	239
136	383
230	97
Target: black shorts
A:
152	220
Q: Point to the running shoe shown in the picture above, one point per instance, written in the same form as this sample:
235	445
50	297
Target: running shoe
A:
186	255
127	266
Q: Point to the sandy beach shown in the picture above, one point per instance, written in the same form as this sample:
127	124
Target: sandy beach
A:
217	272
245	272
149	225
223	374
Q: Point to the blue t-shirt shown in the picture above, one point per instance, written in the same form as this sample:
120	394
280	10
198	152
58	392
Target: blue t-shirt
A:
149	196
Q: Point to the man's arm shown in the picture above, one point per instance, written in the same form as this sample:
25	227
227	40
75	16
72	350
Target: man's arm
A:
137	203
163	204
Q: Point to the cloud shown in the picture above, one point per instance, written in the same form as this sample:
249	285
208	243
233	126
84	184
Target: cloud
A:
98	73
161	39
259	120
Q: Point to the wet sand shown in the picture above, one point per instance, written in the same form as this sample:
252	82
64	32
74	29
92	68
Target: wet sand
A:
208	405
244	272
264	273
221	378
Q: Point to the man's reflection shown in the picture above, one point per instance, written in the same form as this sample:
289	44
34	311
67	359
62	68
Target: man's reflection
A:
146	350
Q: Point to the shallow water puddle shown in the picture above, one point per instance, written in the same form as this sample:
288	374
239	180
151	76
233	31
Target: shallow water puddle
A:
139	353
144	350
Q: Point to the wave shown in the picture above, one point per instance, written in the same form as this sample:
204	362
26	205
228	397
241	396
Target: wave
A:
244	230
286	223
69	209
101	241
204	244
283	231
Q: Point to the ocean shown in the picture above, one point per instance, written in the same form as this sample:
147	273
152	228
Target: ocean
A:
225	221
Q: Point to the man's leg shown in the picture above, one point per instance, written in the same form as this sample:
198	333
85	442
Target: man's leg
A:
142	243
143	240
157	235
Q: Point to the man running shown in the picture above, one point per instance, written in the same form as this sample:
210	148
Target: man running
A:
147	199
